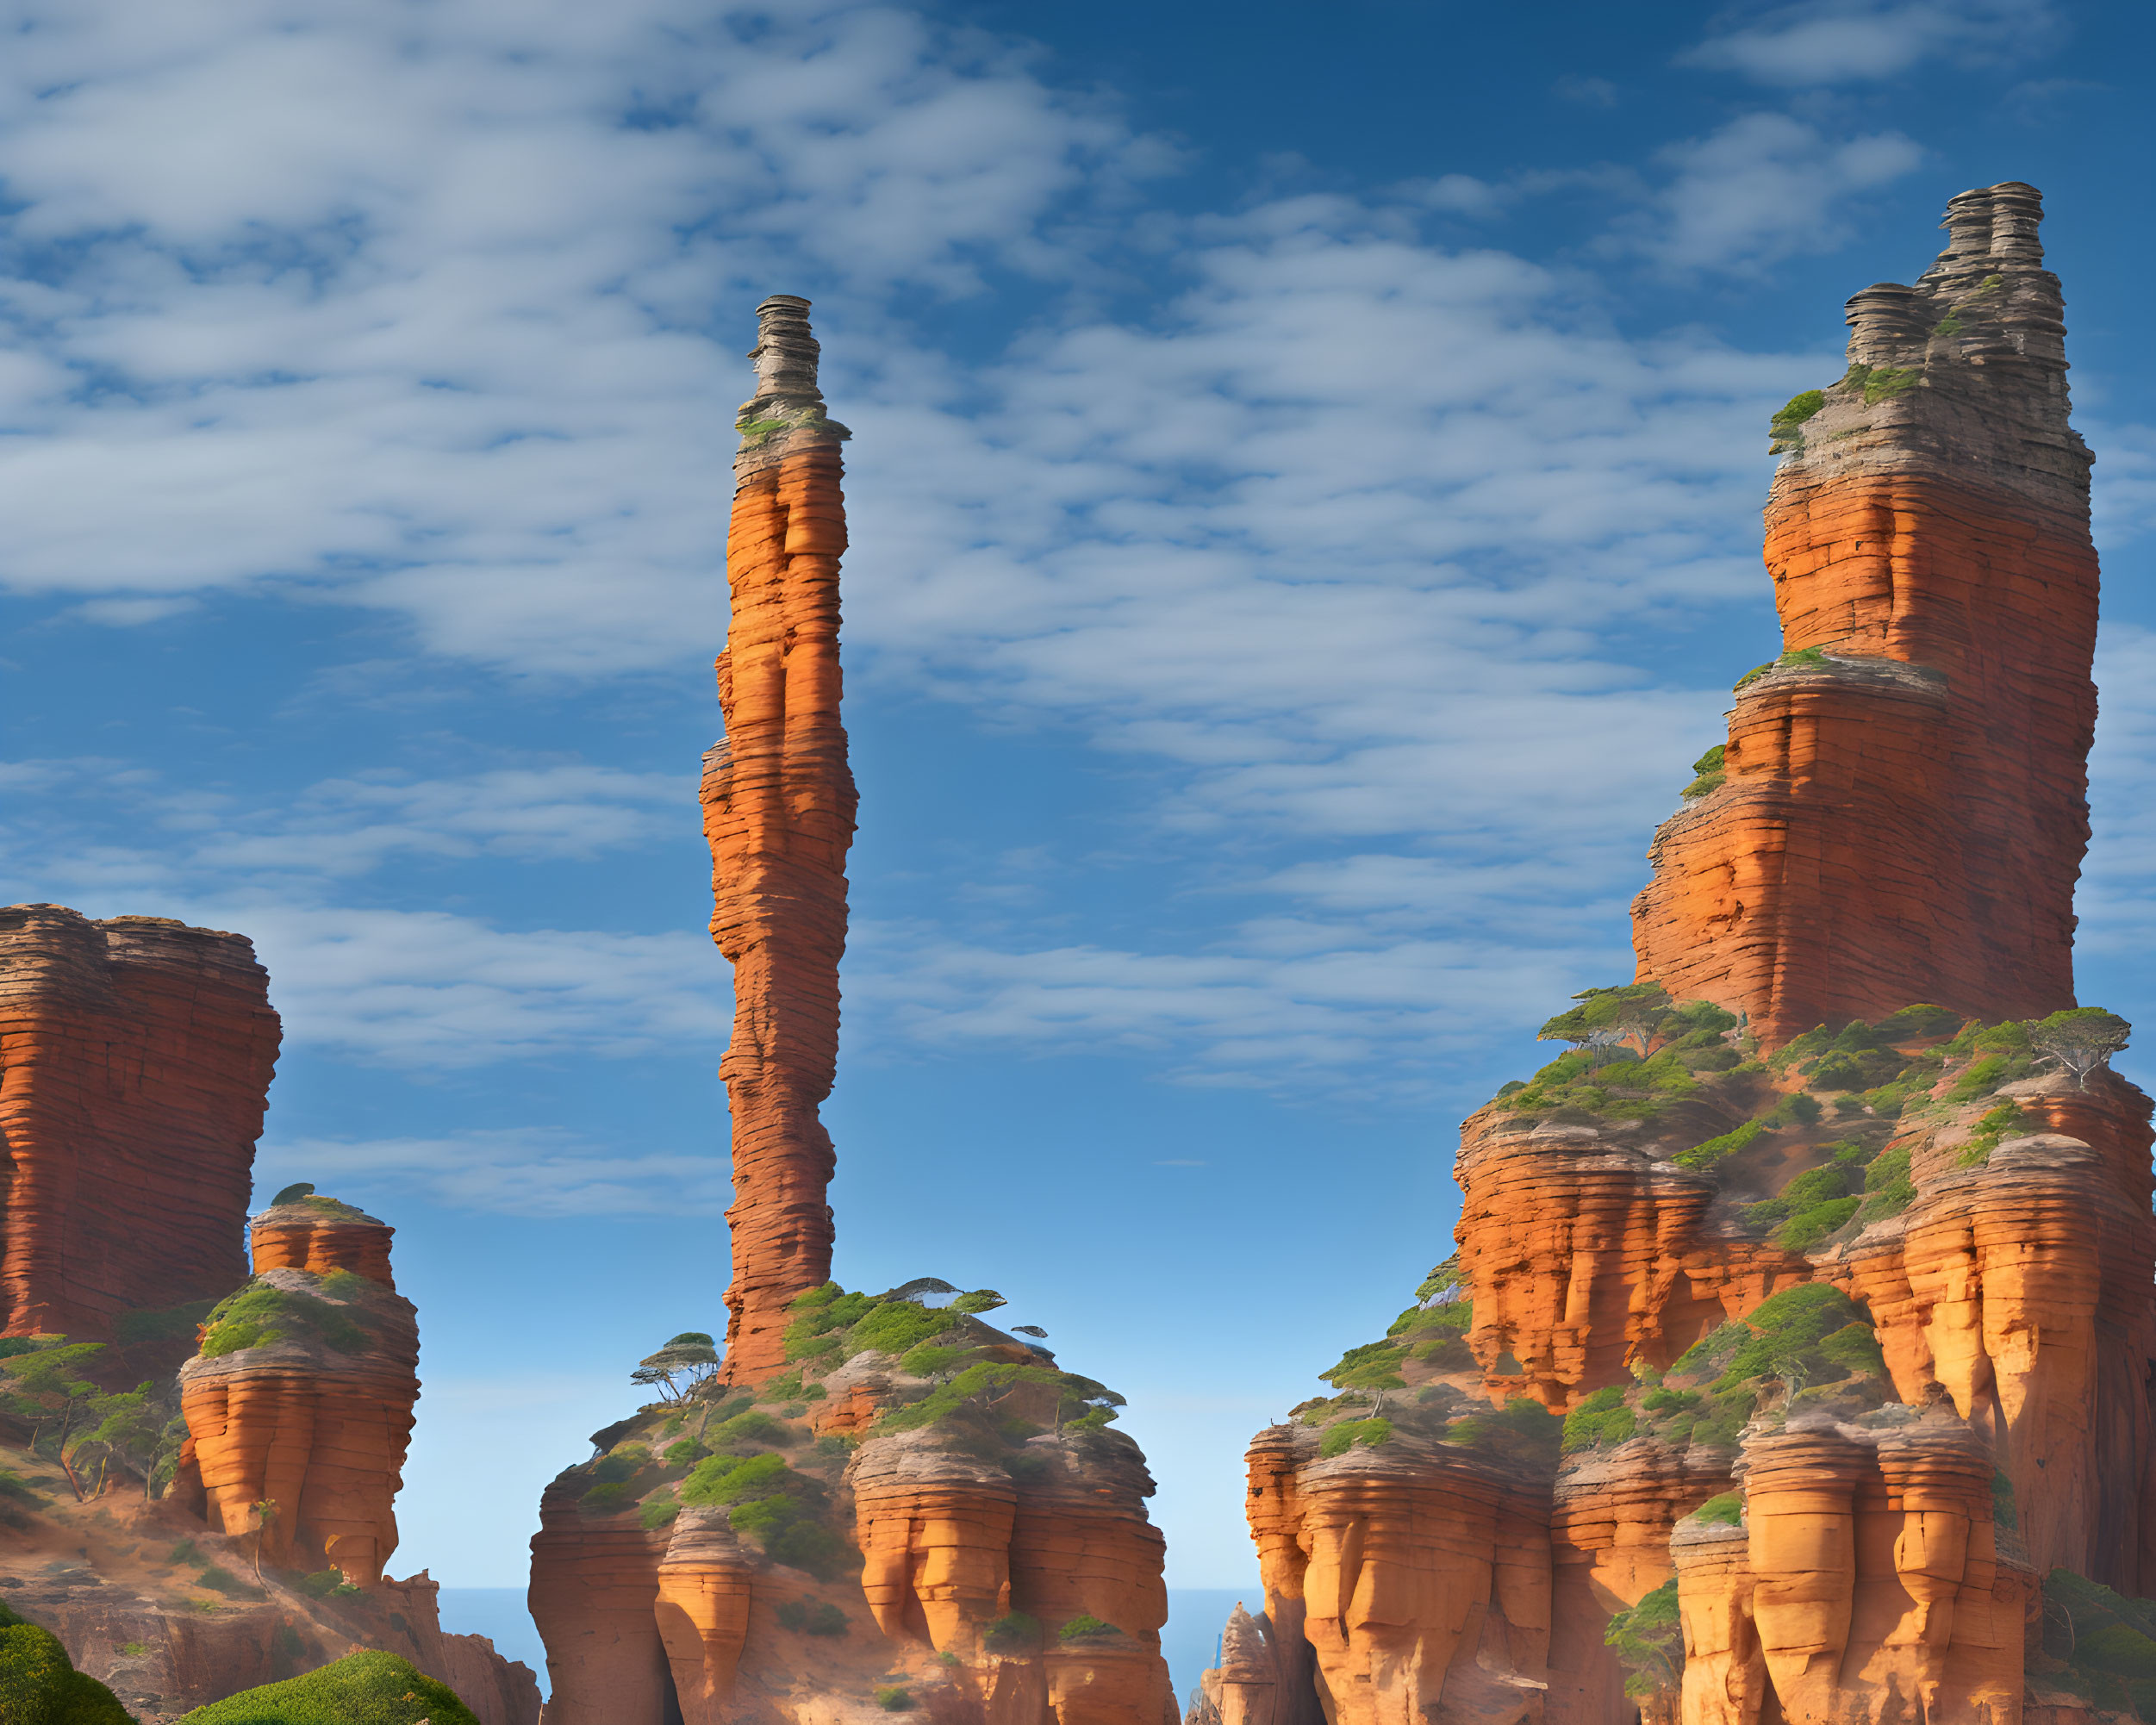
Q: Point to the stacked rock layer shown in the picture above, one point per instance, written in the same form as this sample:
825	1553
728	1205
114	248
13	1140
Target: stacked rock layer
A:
1796	1364
1903	815
136	1056
778	800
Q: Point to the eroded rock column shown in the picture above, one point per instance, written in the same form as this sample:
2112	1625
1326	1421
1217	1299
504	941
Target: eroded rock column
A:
779	801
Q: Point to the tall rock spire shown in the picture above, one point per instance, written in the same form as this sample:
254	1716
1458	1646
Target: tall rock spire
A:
1901	812
778	802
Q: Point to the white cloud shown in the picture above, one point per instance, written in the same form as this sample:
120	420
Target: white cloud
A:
525	1171
1763	187
1868	41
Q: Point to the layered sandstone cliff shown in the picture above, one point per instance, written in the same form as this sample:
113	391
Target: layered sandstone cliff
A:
136	1056
1901	807
1819	1270
974	1538
301	1399
779	801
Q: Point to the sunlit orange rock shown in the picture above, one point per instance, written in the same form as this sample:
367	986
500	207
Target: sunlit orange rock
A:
321	1236
1417	1576
950	1544
136	1056
1903	818
706	1588
312	1415
779	800
1585	1256
2020	1292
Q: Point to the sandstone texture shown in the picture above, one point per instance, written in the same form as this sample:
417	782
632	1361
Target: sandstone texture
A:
970	1532
1901	812
779	800
1796	1366
136	1056
301	1397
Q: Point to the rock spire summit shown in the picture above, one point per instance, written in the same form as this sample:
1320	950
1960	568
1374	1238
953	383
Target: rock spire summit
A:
1899	812
778	800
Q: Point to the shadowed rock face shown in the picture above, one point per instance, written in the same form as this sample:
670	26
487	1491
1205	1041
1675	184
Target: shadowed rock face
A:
1903	814
779	800
136	1056
1846	1304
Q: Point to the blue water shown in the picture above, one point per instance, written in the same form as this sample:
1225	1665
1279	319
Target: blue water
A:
1190	1641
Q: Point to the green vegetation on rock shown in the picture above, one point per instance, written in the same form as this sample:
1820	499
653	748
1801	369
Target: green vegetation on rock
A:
1340	1439
260	1314
1649	1643
2099	1644
1601	1419
369	1688
39	1685
1708	773
1726	1511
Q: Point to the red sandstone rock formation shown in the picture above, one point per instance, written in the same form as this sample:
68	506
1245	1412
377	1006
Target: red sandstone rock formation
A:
302	1396
1903	816
1853	1328
778	811
135	1055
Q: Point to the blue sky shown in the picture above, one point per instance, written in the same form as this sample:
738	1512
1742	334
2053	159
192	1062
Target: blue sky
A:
1304	497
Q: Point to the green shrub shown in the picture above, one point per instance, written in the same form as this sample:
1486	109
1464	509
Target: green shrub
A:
321	1583
896	1327
1991	1132
369	1688
1883	383
1855	1348
260	1314
607	1497
1794	1109
1340	1439
1707	773
1704	1156
1523	1430
623	1463
1649	1643
1979	1078
894	1698
39	1685
686	1453
219	1579
1660	1402
1888	1185
979	1300
810	1617
752	1428
659	1510
1601	1418
1085	1627
1785	430
1806	1228
929	1360
1727	1510
1372	1366
1012	1633
729	1478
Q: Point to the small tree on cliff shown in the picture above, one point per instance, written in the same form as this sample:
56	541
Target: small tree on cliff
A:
47	1392
1606	1017
264	1518
2080	1040
1648	1640
679	1367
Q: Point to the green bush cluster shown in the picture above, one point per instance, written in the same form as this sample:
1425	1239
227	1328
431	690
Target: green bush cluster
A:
832	1325
894	1698
2003	1122
1808	1337
1602	1418
1814	1204
1012	1633
1649	1643
260	1314
1340	1439
1523	1430
2105	1643
39	1685
1798	656
1888	1190
1082	1405
812	1618
1786	431
1883	383
368	1688
768	1501
1708	773
1702	1157
1726	1511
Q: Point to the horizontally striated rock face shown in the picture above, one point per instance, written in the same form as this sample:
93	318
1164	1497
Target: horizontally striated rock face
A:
1803	1328
302	1398
136	1056
1903	812
779	804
